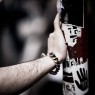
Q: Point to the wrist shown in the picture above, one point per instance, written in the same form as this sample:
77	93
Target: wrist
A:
52	56
49	60
57	55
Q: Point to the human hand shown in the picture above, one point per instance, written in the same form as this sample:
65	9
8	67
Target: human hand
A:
83	79
56	41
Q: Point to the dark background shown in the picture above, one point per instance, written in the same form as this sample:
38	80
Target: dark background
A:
91	45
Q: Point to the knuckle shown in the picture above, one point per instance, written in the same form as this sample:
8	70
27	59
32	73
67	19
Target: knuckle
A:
51	35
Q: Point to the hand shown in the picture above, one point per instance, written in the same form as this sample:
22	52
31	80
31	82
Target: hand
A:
83	79
56	41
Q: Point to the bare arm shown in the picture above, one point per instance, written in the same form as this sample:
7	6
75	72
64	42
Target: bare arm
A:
17	78
20	77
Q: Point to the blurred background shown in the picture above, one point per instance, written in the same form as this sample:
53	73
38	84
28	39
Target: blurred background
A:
24	29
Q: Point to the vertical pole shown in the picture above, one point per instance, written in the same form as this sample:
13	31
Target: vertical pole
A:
75	68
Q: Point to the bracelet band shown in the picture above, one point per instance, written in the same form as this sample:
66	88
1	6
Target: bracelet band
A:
57	66
57	63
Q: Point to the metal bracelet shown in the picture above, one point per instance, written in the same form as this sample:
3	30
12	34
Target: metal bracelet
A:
57	66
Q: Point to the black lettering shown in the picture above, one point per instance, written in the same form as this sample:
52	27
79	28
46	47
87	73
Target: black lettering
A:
68	77
68	87
73	87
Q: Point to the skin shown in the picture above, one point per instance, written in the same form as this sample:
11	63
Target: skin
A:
17	78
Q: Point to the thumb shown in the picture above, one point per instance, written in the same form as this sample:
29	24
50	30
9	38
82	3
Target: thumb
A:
57	22
77	83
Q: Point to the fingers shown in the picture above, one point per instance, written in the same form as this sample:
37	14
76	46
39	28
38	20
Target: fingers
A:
57	22
77	83
79	76
84	72
81	72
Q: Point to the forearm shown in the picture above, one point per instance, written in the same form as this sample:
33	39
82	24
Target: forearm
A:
19	77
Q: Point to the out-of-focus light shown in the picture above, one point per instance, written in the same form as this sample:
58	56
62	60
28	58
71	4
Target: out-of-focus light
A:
0	0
